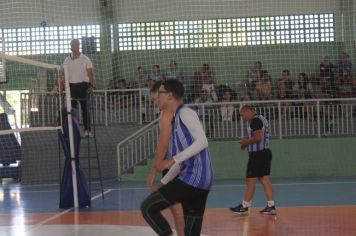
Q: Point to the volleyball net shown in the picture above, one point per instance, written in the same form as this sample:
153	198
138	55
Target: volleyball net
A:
222	51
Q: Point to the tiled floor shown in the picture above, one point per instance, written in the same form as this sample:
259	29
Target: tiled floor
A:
305	207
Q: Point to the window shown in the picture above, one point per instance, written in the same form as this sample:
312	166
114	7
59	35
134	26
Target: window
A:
125	42
225	35
326	22
167	34
153	35
210	33
2	62
196	34
46	40
309	28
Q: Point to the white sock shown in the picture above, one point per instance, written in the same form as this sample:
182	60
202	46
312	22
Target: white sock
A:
270	203
246	204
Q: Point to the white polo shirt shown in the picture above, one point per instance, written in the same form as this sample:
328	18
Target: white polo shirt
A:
77	68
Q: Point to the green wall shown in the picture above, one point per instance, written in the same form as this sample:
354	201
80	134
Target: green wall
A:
231	63
291	158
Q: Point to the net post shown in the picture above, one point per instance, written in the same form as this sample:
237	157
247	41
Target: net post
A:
71	138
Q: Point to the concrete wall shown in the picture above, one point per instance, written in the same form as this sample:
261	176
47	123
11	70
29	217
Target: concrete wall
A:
43	160
326	157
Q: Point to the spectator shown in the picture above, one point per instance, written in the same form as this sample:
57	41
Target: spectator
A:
303	89
256	72
174	72
344	75
122	93
205	114
156	73
112	94
285	91
204	76
264	86
285	86
227	110
203	97
147	88
141	77
253	75
327	79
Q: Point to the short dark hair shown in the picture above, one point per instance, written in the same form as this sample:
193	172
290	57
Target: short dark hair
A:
155	87
247	107
175	87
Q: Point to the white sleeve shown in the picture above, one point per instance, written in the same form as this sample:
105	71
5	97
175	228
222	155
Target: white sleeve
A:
88	63
200	142
171	174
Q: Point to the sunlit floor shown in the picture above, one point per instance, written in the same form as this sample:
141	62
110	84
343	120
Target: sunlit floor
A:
305	207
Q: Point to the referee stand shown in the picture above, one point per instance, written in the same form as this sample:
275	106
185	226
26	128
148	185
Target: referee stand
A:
89	157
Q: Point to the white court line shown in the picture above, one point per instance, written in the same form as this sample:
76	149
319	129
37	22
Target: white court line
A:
63	212
245	226
243	185
286	184
214	186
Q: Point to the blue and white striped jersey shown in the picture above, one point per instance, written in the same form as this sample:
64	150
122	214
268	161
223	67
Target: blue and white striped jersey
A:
196	168
259	122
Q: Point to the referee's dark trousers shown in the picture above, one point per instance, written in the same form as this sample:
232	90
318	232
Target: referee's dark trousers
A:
79	92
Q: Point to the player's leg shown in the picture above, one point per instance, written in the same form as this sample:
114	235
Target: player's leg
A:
250	189
178	216
151	209
243	207
251	179
267	186
194	208
265	169
270	209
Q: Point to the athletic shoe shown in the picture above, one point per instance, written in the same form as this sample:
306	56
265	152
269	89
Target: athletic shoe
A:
87	134
269	210
240	209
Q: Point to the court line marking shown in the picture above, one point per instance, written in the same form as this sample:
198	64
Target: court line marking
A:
32	227
243	185
214	186
287	184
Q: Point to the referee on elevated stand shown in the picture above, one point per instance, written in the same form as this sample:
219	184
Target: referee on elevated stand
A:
259	162
81	81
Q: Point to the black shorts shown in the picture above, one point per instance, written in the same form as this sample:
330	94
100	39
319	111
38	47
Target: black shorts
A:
193	199
259	164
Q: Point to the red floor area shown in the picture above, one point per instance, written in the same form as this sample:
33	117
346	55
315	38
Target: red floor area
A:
290	221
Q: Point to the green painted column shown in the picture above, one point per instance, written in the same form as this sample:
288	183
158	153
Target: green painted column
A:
348	28
105	65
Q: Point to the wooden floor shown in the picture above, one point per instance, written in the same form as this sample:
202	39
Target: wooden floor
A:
34	212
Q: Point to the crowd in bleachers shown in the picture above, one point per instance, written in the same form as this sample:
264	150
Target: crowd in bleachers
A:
333	81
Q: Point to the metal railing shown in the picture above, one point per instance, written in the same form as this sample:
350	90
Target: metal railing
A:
110	107
137	148
287	119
